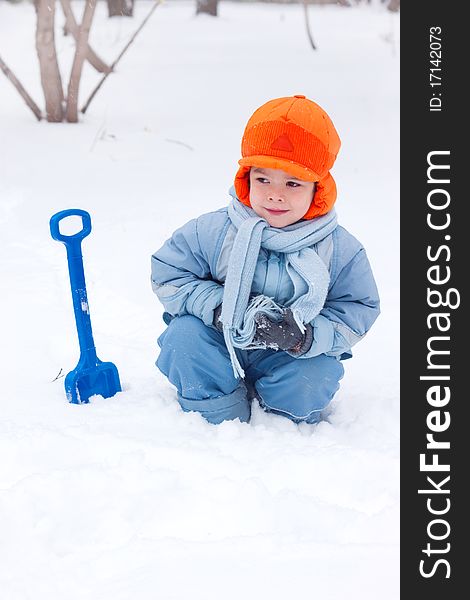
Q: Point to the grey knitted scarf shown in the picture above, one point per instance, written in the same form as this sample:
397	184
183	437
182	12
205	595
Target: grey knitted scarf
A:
307	271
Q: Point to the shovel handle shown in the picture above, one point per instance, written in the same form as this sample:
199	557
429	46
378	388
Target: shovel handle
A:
75	239
73	244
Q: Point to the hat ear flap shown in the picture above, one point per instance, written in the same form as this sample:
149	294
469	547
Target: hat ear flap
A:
324	197
242	185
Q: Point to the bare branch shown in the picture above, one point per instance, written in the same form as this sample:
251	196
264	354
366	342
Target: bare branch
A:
307	24
23	93
79	59
93	94
72	27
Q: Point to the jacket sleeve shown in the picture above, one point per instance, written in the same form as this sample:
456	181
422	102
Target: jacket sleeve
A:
350	309
181	276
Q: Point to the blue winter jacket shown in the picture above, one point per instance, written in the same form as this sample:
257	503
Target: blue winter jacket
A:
189	270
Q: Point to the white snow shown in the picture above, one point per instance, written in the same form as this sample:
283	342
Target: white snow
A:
129	497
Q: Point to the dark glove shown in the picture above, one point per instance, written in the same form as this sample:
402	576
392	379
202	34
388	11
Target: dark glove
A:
283	334
215	321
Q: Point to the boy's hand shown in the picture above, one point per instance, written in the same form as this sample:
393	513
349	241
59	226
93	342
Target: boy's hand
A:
284	334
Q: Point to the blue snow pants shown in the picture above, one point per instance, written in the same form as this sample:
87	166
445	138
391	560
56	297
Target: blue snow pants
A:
196	361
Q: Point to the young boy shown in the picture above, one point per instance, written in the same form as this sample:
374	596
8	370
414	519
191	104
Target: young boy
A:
268	295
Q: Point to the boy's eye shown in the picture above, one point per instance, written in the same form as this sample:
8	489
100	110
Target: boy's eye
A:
293	184
262	180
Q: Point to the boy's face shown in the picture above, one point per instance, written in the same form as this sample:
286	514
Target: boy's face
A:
278	197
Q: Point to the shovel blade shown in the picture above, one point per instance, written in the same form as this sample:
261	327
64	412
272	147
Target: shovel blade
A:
101	379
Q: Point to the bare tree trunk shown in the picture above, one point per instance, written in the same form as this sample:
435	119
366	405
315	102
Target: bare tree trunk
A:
45	47
394	5
207	7
79	59
120	8
72	27
24	94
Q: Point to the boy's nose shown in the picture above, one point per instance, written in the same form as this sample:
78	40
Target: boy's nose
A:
276	195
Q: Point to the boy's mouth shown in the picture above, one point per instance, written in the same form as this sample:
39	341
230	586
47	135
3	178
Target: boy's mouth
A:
276	211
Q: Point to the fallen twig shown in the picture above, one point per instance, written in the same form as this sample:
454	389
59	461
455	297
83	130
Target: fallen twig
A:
58	376
179	143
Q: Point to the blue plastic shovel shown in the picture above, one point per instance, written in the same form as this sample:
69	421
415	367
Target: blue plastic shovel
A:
91	375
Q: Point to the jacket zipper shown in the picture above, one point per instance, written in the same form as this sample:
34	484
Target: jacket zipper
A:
279	276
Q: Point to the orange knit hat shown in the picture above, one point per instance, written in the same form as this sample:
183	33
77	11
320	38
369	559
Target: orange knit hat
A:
296	135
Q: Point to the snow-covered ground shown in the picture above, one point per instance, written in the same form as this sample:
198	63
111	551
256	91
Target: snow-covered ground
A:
129	497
